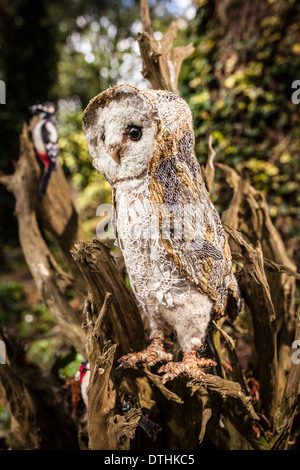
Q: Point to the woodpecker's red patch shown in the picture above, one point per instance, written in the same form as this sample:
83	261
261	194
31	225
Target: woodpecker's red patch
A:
44	157
83	368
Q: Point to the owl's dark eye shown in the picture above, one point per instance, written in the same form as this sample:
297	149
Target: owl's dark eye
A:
134	132
103	137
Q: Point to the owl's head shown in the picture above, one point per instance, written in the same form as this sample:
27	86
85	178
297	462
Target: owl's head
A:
120	130
126	128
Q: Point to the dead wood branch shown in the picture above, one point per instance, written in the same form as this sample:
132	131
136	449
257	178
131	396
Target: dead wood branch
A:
161	61
37	402
235	405
290	400
102	398
237	371
119	321
221	393
23	184
248	213
280	268
257	295
112	316
271	266
209	169
156	379
123	322
206	412
229	389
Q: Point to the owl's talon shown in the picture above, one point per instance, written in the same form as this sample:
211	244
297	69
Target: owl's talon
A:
151	355
190	365
126	362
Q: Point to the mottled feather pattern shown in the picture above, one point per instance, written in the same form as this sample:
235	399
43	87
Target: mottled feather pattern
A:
183	277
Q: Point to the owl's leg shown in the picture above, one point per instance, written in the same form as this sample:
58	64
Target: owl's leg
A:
154	353
191	327
190	365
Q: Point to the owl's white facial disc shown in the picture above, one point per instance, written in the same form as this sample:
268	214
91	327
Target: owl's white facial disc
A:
111	129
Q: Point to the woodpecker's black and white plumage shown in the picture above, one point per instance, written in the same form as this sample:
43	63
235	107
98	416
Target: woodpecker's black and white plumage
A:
45	141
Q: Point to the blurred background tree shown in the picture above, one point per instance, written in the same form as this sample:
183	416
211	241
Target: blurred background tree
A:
238	84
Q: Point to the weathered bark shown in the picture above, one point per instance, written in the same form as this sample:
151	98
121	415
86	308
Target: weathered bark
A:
161	61
57	214
37	402
209	170
123	323
112	317
256	292
290	400
248	213
50	279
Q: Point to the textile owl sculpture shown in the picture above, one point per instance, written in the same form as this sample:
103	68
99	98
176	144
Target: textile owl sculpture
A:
174	246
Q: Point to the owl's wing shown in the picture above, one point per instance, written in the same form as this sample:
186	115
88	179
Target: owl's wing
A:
190	225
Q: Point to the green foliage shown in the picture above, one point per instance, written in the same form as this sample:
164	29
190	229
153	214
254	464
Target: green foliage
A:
95	52
263	441
51	50
31	321
36	320
127	282
91	189
69	364
43	351
28	58
11	301
238	84
4	418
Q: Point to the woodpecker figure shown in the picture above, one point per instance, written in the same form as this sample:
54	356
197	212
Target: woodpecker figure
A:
83	376
45	141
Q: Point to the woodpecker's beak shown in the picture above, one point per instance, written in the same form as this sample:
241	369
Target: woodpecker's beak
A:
114	152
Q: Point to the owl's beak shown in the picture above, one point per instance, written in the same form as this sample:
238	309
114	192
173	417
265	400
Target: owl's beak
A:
114	152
